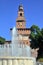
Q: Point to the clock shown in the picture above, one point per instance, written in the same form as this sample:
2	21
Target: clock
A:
20	24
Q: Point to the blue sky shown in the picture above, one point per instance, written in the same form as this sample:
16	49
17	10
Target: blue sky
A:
33	11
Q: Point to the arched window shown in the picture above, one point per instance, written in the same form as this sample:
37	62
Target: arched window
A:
20	14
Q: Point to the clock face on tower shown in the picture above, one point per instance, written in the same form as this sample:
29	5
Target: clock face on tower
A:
20	23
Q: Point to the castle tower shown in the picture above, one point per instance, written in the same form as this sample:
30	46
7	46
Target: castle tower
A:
20	22
24	32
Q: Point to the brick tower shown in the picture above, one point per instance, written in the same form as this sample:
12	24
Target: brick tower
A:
20	22
24	32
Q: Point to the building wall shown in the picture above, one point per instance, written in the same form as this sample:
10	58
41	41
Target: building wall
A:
24	31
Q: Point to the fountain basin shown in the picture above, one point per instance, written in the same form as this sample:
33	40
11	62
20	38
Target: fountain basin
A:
17	61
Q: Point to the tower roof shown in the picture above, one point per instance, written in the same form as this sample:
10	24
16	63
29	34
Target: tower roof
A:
20	7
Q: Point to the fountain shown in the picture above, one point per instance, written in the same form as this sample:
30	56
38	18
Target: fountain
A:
16	53
23	50
14	49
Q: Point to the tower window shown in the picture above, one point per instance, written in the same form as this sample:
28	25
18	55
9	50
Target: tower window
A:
20	14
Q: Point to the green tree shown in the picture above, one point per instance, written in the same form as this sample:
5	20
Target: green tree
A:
37	39
2	40
40	40
35	32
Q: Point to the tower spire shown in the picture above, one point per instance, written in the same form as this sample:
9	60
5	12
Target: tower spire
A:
20	7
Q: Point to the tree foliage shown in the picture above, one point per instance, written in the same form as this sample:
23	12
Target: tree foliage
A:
2	40
37	39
